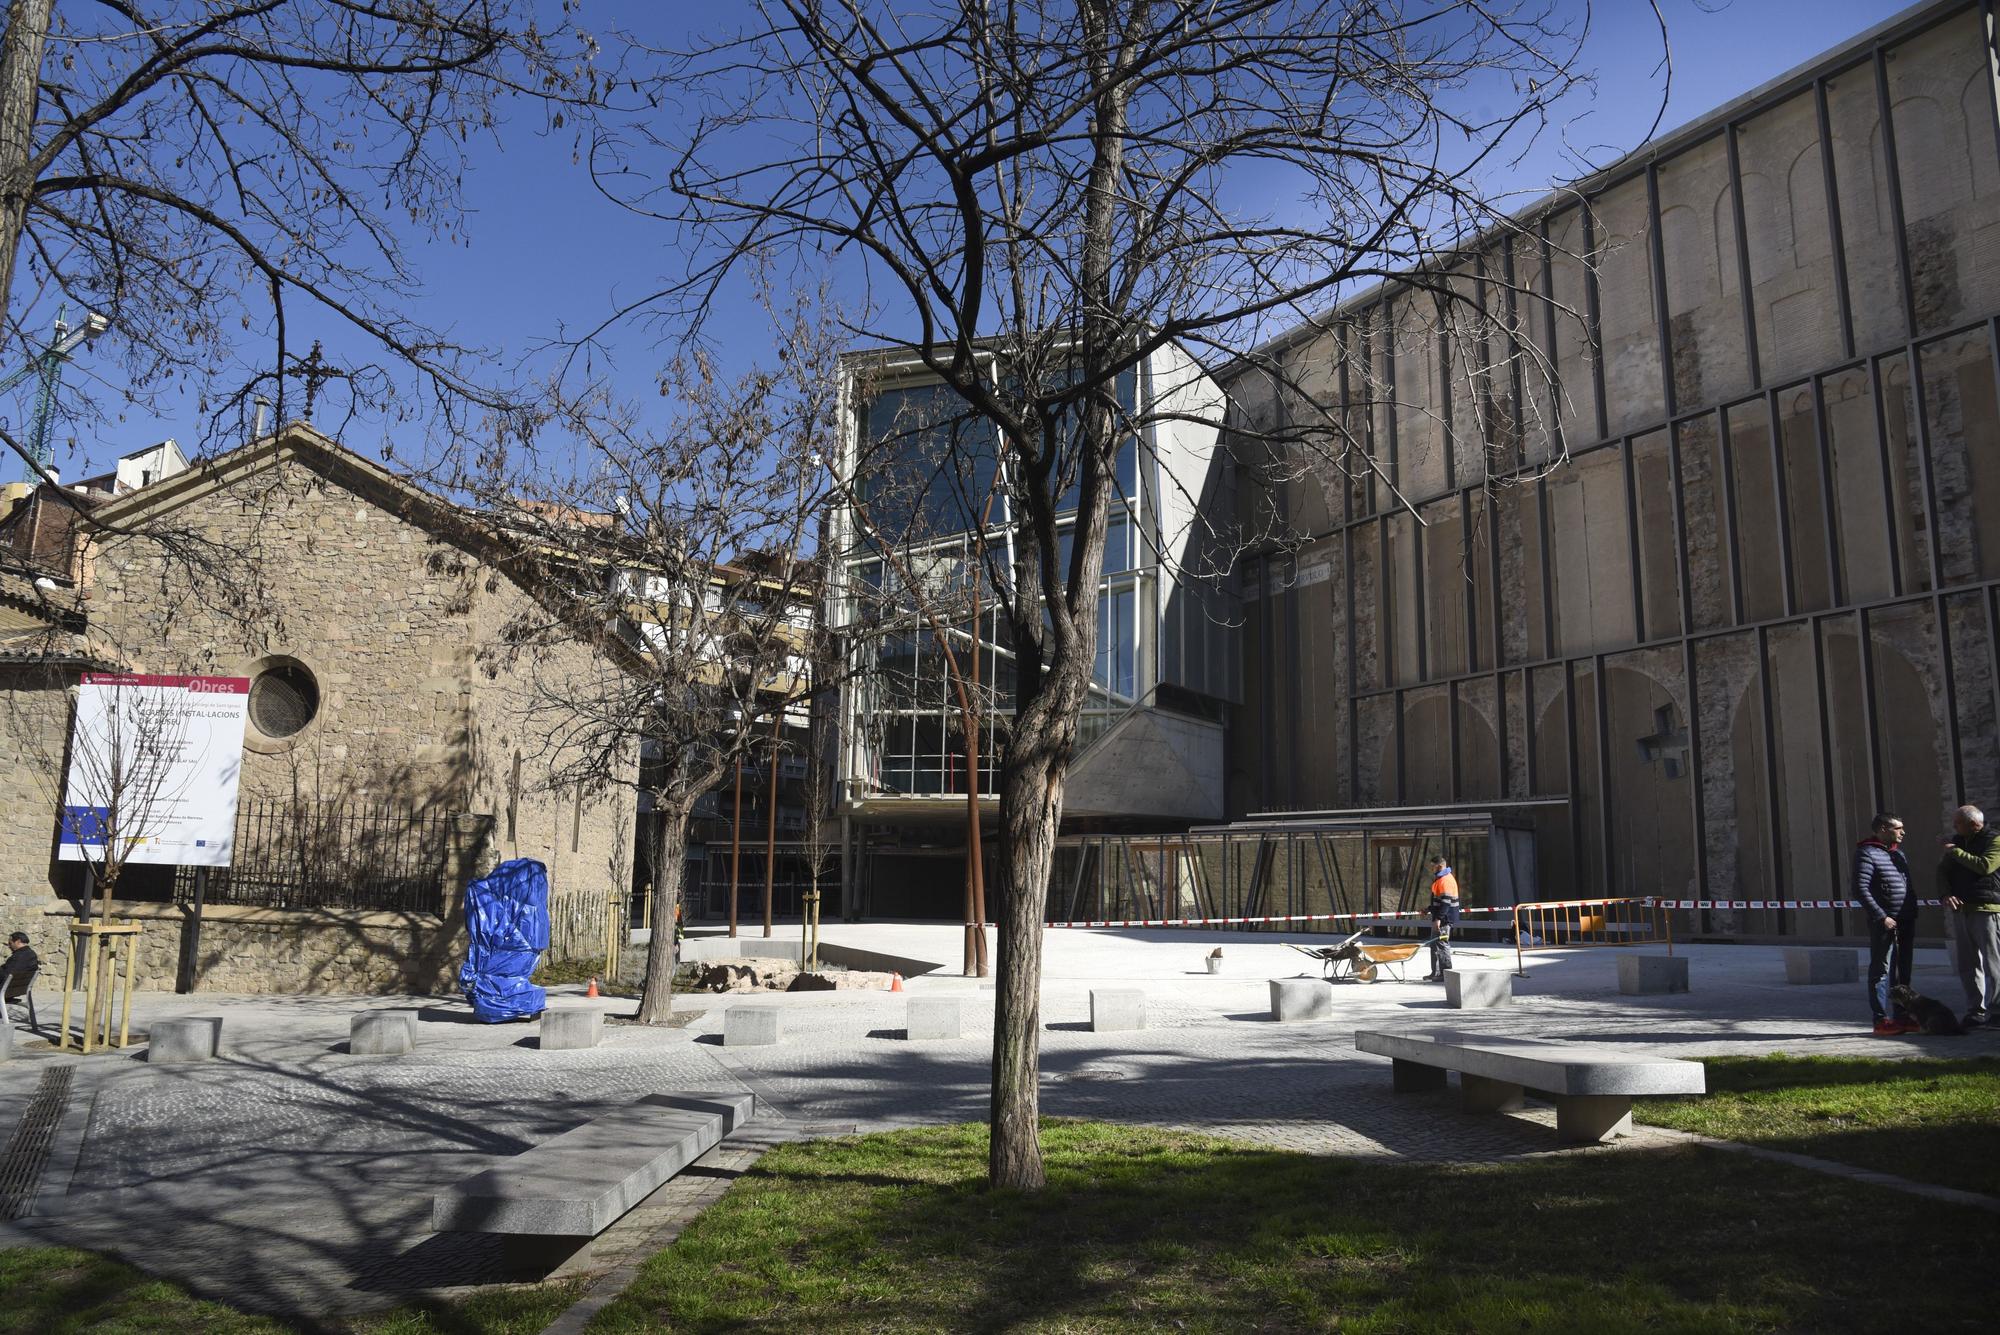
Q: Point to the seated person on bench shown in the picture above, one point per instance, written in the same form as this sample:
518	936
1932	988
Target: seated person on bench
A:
18	970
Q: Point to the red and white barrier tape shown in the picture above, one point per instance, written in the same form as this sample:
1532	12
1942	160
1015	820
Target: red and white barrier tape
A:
1247	921
1770	903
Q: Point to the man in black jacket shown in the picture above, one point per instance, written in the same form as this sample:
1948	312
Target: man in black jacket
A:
18	969
1882	884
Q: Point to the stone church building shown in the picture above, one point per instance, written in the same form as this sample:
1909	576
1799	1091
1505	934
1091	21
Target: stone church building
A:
393	748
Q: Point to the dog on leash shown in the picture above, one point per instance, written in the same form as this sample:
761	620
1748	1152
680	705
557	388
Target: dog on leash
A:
1931	1016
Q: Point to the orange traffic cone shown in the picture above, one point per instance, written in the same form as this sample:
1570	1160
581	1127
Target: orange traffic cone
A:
591	991
895	982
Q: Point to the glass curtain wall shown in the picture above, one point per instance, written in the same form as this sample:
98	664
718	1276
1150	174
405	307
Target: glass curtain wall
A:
917	569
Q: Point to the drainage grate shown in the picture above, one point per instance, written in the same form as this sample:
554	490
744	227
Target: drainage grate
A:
22	1161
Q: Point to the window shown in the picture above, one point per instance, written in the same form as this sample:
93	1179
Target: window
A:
284	698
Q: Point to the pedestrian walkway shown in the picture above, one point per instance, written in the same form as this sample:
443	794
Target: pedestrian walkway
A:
293	1177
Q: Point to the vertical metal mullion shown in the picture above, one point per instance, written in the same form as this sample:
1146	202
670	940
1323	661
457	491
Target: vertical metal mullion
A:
1528	729
1444	397
1402	755
1504	733
1353	685
1547	573
1950	695
1557	440
1385	649
1991	37
1683	583
1726	453
1890	499
1689	672
1575	780
1736	215
1632	553
1465	540
1870	716
1451	704
1843	299
1490	508
1829	513
1771	814
1815	628
1418	545
1343	342
1389	383
1920	401
1777	440
1518	456
1596	322
1603	703
1657	261
1986	598
1895	188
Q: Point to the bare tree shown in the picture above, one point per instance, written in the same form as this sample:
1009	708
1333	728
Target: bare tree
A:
212	175
1047	196
694	533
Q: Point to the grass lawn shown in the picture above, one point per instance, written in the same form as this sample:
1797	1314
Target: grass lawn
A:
1931	1120
58	1290
1143	1229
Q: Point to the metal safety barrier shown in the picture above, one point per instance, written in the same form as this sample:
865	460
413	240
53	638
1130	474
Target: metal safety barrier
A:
1564	924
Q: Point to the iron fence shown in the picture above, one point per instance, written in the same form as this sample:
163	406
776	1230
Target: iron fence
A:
294	855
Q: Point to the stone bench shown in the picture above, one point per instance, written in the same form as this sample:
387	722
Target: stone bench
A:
548	1201
1592	1088
382	1033
565	1028
1295	999
1117	1008
1812	966
1652	975
1477	989
195	1038
933	1017
749	1026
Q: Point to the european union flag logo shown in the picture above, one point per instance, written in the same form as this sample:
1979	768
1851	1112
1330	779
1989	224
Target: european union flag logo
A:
86	825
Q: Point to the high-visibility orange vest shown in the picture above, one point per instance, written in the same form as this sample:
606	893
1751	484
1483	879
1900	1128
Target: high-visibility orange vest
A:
1447	884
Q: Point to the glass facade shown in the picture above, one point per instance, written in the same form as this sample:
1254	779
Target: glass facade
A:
1730	584
926	477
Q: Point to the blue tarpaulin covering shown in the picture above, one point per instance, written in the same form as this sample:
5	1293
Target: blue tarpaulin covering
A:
507	918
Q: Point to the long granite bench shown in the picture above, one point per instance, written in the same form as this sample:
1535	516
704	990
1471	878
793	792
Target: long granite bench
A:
1592	1088
550	1200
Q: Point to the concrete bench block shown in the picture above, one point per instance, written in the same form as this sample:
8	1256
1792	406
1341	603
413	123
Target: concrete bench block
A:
1294	999
579	1183
934	1017
1812	965
574	1027
1478	989
1116	1008
749	1026
195	1038
6	1035
1652	975
382	1033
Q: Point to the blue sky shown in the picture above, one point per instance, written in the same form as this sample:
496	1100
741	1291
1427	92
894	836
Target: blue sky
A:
548	252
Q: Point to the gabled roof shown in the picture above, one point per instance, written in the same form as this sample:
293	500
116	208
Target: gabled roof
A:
305	445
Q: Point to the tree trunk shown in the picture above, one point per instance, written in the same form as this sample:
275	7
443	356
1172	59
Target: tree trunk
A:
656	1003
1031	796
21	51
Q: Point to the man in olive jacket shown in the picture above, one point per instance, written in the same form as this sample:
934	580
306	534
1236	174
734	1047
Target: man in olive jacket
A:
1969	877
1882	884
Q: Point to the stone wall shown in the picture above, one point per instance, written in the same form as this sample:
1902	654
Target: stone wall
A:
34	728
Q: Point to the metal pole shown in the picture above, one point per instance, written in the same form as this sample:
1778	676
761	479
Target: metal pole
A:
771	824
735	845
191	940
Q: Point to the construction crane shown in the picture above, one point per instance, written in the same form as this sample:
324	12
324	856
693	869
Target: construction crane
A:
48	364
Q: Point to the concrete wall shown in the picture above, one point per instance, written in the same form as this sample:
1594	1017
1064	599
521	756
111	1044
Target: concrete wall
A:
1736	619
34	731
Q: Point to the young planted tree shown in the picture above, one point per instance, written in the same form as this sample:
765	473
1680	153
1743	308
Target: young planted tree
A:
1045	198
693	533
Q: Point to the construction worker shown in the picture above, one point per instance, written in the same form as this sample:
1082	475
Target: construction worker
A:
1443	913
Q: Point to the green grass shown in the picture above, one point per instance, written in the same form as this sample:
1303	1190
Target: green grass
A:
59	1290
1143	1229
1931	1120
553	973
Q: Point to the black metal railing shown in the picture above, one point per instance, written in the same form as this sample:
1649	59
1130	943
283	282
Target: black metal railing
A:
292	855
